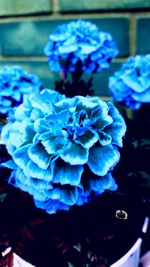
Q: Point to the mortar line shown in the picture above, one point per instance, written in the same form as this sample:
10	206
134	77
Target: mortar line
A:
55	6
23	58
56	15
132	35
44	58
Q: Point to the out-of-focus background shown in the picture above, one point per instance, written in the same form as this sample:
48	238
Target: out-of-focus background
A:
25	26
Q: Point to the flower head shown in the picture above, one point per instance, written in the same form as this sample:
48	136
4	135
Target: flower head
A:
80	42
131	85
63	149
16	84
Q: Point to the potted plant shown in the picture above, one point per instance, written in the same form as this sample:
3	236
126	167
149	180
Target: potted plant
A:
67	198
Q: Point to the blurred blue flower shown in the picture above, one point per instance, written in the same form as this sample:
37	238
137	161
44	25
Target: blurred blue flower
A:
15	84
80	41
131	85
63	149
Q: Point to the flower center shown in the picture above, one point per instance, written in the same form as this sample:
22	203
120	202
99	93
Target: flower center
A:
69	132
76	125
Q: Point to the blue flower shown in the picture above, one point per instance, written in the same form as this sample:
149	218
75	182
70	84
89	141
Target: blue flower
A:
80	41
131	85
63	149
15	84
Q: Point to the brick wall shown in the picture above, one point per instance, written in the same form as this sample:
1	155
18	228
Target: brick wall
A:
26	24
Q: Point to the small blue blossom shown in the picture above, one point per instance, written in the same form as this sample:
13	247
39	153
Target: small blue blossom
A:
63	149
80	41
16	84
131	85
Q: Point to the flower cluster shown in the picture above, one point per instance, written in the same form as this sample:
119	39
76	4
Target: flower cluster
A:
15	84
80	42
63	149
131	85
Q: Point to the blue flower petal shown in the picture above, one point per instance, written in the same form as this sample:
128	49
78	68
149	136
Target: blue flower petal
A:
142	97
21	157
87	48
28	134
104	138
102	159
36	114
69	197
27	184
63	173
88	139
10	164
52	143
36	172
44	106
15	137
100	184
84	103
118	128
50	96
51	206
65	104
20	113
39	184
39	156
74	154
67	49
41	126
116	131
54	65
7	92
82	198
131	80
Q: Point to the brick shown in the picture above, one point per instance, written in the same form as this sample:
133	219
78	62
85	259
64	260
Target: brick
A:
25	38
143	36
88	5
19	7
28	38
100	82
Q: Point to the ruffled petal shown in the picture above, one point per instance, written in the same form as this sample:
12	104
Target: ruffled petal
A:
88	139
36	172
10	164
102	159
21	157
104	138
28	134
39	156
118	128
51	206
74	154
52	143
142	97
68	174
41	126
69	197
130	78
100	184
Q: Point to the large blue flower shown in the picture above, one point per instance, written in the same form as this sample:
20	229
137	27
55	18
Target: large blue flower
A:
131	85
15	84
80	41
63	149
